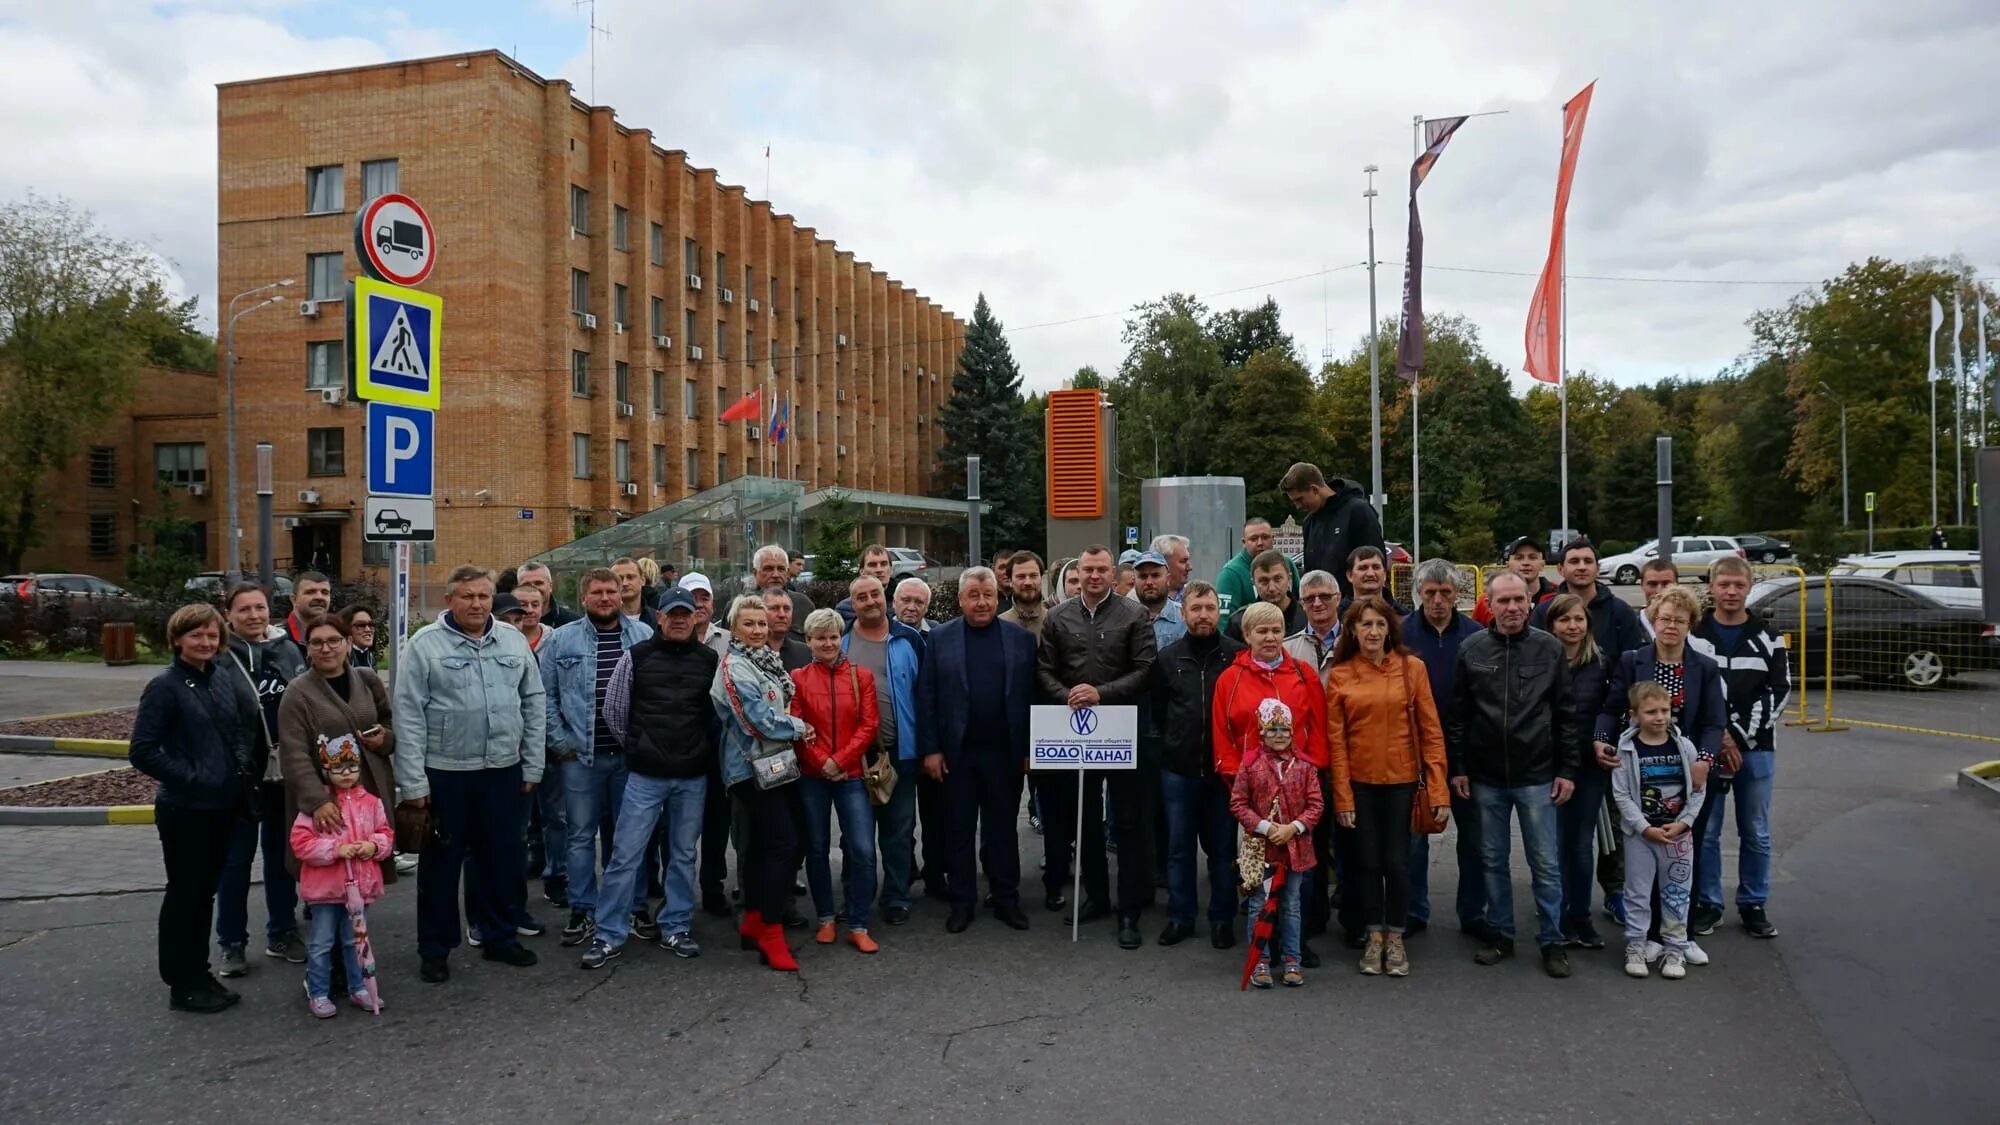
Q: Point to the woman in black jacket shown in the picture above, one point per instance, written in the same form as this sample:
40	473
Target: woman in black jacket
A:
194	734
1576	822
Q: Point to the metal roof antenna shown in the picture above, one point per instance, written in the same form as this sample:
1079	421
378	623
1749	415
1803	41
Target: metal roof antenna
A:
590	6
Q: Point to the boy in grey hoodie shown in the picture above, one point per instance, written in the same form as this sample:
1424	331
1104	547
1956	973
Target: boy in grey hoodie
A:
1658	801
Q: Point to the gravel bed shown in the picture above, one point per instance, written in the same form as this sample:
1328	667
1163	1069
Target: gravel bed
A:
116	725
121	786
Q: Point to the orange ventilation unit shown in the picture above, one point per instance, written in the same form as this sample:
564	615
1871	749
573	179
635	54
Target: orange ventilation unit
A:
1076	454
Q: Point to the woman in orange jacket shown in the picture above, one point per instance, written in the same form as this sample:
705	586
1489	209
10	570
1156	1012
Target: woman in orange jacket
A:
1387	751
1266	671
837	698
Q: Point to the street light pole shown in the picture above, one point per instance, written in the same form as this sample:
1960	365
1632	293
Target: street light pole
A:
233	568
1828	392
1374	360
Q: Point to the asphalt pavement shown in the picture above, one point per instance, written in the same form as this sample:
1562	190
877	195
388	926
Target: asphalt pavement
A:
1877	1003
29	688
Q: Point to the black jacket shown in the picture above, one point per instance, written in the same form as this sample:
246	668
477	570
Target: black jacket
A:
1587	683
196	735
794	654
673	730
1182	698
1614	624
1756	680
1295	619
1513	720
1112	651
1346	521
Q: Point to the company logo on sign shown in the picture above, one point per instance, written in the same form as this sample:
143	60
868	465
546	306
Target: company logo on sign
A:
1083	720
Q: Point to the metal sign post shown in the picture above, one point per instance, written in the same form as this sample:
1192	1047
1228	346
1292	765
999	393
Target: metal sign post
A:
1868	502
1663	451
972	491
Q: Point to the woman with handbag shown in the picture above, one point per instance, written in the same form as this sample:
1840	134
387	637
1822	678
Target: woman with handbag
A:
759	763
1388	760
331	698
837	697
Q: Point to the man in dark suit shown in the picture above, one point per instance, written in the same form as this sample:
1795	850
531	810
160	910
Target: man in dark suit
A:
972	702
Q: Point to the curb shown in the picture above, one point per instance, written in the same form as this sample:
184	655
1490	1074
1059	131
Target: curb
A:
22	815
81	747
1982	778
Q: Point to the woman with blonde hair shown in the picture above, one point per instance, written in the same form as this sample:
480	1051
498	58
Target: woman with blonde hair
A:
1568	618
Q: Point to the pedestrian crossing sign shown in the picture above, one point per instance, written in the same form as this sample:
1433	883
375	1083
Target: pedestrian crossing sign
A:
394	336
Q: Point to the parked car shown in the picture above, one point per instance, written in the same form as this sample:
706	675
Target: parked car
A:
33	588
1881	630
1398	556
1951	577
1763	548
213	582
1692	554
907	560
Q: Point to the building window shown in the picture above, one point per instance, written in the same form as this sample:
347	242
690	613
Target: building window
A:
690	258
690	400
326	452
721	467
579	455
656	245
721	338
688	338
749	345
621	224
579	291
179	464
657	310
621	460
774	296
621	382
659	464
103	467
621	306
579	210
721	268
693	468
721	402
103	536
323	189
579	373
774	357
323	365
323	277
659	392
378	178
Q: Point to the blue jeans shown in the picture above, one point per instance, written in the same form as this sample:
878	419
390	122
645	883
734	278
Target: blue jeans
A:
1286	933
330	925
548	802
591	796
281	891
1198	811
1576	839
1538	840
896	836
1471	903
1752	787
849	800
646	798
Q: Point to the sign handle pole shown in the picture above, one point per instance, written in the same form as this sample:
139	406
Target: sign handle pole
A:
1076	862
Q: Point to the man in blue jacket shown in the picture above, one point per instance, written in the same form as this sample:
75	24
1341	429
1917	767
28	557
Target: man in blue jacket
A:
577	663
894	652
972	704
1433	633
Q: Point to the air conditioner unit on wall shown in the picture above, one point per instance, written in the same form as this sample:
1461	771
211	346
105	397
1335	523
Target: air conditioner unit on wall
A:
840	394
618	328
753	304
663	341
631	488
333	396
728	295
197	489
694	351
694	281
308	308
309	496
842	449
589	321
624	410
840	339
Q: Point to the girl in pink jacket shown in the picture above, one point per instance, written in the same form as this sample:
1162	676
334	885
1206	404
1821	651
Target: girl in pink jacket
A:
329	858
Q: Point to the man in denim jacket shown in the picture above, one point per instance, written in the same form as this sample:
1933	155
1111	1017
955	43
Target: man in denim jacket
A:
470	732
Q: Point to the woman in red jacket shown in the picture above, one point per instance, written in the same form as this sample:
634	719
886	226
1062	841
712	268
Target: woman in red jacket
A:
838	699
1266	671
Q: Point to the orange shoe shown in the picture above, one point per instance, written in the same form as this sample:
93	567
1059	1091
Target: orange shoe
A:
825	934
860	940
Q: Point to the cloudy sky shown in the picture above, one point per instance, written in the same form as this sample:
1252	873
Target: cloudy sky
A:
1071	159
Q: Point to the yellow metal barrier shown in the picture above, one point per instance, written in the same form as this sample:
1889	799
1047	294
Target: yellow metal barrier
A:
1797	645
1906	647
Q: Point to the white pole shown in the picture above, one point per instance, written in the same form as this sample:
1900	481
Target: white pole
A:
1416	397
1374	361
1958	405
1983	372
1934	516
1562	374
1076	863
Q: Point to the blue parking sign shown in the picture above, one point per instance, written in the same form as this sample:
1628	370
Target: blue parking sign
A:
401	450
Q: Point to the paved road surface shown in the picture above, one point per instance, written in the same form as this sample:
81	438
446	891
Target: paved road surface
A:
1875	1004
45	687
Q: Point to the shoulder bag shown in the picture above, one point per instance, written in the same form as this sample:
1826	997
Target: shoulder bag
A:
1422	821
772	762
878	772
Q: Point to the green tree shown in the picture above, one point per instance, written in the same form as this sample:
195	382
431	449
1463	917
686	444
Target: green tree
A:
836	540
1268	429
161	569
1242	333
985	416
80	311
1467	533
1086	378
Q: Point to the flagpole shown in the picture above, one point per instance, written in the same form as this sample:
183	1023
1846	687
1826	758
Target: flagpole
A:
1416	408
1983	372
1562	381
1957	407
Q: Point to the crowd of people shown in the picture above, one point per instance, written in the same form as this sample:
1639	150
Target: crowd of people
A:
1299	729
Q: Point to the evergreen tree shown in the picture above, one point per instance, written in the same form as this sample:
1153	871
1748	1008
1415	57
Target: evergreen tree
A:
836	540
985	415
1268	428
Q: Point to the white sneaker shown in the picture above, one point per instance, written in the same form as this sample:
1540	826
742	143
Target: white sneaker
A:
1654	951
405	863
1696	955
1635	962
1673	966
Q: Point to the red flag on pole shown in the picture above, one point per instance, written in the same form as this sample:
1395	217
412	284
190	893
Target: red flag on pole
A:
1545	361
749	406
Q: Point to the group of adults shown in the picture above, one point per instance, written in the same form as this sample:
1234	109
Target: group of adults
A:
635	744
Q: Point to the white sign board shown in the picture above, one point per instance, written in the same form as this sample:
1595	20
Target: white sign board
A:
399	519
1087	738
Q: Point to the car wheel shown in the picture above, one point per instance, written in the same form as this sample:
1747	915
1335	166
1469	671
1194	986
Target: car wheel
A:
1768	557
1626	576
1923	669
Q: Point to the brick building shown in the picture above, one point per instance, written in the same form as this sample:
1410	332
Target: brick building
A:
605	299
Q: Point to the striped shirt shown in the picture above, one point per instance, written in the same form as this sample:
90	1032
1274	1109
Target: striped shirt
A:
610	646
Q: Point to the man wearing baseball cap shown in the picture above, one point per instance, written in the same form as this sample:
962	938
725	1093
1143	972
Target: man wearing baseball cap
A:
717	814
1524	557
706	631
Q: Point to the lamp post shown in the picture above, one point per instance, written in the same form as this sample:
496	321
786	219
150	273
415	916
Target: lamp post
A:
1831	397
233	570
1374	360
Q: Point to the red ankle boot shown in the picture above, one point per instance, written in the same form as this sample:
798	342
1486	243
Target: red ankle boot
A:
771	945
751	925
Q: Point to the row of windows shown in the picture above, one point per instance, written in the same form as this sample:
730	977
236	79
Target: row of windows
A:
326	185
621	462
